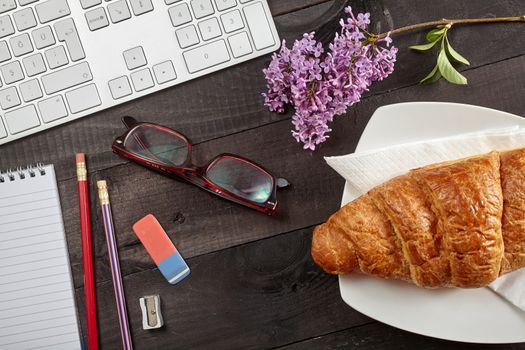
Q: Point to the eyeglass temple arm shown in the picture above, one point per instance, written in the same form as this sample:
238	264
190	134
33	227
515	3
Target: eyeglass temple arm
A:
129	122
283	183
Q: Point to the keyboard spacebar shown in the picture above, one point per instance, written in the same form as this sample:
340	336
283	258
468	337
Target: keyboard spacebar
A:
66	78
206	56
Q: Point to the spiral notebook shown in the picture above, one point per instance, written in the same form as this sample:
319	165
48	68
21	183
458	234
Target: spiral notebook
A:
37	304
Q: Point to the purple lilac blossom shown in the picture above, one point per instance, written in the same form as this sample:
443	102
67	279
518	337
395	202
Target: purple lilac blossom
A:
320	83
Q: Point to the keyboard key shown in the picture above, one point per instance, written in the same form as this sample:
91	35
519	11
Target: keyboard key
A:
6	26
43	37
232	21
34	64
142	79
24	19
89	3
7	5
179	14
240	44
164	72
210	29
9	98
206	56
140	7
12	72
51	9
187	36
244	1
3	132
21	44
56	57
22	119
119	11
169	2
259	27
225	4
97	19
66	78
120	87
52	109
4	52
83	98
67	32
201	8
135	57
26	2
30	90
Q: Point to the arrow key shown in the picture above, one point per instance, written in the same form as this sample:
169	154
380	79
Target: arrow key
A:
142	79
119	87
135	57
164	72
119	11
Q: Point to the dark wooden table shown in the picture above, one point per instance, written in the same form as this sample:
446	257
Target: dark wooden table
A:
253	283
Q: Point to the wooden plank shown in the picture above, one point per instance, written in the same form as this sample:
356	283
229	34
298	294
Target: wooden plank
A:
259	295
279	7
211	223
381	336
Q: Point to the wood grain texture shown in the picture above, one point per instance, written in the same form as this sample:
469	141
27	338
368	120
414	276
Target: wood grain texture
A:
377	335
263	294
279	8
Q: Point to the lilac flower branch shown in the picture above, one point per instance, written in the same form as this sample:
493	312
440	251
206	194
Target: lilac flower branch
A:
322	83
450	23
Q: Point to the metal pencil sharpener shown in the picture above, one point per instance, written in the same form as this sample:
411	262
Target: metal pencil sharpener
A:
151	315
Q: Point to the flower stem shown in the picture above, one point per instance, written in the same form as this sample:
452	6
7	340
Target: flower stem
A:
451	22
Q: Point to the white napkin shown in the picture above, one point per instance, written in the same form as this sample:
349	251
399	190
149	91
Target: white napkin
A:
365	170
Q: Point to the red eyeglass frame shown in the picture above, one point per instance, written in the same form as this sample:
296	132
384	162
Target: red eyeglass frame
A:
194	174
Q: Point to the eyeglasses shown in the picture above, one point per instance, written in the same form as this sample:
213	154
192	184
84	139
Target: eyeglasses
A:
228	176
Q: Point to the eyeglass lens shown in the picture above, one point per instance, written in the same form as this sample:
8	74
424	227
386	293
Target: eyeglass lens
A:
241	178
157	144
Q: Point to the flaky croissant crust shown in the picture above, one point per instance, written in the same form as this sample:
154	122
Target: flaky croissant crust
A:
452	224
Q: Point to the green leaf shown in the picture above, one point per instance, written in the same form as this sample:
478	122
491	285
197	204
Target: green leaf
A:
432	77
448	71
424	47
455	55
436	34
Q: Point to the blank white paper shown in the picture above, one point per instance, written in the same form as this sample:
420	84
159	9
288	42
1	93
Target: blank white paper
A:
37	304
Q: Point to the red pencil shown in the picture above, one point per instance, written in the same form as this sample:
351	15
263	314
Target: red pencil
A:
87	254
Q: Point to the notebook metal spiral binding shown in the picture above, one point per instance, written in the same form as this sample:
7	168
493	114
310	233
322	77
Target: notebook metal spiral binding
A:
21	172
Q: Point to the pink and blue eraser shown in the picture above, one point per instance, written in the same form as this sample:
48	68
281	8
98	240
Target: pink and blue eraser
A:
161	249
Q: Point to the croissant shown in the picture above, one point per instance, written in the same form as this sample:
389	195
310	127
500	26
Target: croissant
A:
453	224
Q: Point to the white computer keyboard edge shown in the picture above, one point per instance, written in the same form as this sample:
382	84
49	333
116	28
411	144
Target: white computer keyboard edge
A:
97	43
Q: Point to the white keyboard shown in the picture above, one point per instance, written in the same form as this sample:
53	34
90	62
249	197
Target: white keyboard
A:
64	59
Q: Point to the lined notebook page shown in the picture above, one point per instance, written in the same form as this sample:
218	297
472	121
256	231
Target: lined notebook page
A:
37	305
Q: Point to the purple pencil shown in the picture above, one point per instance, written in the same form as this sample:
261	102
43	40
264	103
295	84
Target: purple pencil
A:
115	265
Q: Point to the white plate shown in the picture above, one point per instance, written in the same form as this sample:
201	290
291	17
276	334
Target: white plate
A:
472	315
